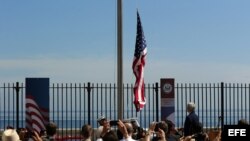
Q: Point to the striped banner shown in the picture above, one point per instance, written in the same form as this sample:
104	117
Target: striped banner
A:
37	103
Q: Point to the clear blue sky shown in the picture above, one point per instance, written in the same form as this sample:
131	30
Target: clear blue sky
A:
196	41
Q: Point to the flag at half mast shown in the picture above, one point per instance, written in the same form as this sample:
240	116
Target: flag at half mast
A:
138	66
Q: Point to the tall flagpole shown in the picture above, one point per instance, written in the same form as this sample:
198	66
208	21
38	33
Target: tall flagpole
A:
119	61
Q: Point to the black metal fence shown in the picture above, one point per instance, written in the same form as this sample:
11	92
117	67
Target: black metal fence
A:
72	105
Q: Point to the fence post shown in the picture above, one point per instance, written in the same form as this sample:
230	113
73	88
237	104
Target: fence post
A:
157	101
222	105
17	88
88	90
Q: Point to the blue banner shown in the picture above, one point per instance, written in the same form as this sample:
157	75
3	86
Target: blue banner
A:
167	100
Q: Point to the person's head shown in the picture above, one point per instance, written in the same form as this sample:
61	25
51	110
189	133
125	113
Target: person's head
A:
10	135
162	125
86	131
129	128
243	122
101	120
190	107
110	136
22	132
135	124
170	124
51	129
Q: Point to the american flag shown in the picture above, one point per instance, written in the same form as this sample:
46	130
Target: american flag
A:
138	66
36	117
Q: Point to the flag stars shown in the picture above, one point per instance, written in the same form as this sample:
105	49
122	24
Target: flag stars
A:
138	66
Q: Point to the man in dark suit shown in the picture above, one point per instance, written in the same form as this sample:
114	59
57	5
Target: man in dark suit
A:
191	121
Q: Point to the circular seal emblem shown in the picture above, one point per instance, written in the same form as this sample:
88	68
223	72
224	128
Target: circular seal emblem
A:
167	88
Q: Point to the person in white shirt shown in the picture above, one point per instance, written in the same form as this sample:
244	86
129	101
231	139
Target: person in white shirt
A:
101	121
127	130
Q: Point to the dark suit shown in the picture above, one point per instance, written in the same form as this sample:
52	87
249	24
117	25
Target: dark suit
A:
191	122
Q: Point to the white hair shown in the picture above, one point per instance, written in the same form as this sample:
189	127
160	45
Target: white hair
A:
190	106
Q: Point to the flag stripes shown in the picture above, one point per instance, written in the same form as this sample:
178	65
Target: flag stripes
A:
138	66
